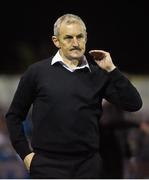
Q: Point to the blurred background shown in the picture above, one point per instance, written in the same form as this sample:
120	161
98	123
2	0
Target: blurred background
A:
119	27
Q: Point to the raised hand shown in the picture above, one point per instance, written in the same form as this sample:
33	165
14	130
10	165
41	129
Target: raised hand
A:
103	59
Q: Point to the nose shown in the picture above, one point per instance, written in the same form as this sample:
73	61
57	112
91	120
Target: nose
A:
75	42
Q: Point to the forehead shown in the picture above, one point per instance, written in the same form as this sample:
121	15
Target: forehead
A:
71	29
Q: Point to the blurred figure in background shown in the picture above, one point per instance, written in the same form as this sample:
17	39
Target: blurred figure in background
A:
11	166
138	140
114	147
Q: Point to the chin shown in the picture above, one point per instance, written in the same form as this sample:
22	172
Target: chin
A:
77	56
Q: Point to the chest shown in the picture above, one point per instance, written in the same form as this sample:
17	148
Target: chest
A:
61	84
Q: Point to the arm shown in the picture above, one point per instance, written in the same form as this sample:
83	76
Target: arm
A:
121	92
119	89
17	113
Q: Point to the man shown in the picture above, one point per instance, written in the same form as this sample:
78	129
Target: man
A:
66	92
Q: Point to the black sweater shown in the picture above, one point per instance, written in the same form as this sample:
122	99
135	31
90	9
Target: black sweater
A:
66	107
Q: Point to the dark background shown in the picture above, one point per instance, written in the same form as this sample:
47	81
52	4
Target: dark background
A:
119	27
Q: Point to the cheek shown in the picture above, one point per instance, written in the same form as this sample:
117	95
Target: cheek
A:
66	44
83	45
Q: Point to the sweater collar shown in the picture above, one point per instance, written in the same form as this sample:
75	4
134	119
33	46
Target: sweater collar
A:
58	58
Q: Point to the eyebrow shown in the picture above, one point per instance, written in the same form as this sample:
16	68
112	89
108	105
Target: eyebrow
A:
81	34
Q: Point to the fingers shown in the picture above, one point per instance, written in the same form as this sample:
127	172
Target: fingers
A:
28	159
98	54
103	59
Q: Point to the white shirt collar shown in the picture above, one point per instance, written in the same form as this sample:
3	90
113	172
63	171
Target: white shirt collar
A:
58	58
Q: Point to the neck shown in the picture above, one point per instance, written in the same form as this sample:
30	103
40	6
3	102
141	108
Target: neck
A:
72	63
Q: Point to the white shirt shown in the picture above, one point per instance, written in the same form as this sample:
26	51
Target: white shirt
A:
58	58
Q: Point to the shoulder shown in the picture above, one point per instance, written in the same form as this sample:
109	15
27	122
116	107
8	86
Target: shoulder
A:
37	68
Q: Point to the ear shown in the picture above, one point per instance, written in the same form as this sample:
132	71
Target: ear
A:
56	41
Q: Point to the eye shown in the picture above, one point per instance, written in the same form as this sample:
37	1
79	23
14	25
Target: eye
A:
68	37
80	36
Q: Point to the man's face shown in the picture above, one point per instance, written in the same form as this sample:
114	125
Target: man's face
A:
71	41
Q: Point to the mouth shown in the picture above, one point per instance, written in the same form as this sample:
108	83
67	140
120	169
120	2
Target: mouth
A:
75	52
76	49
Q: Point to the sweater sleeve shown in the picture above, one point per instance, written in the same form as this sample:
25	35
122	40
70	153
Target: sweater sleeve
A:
121	92
18	111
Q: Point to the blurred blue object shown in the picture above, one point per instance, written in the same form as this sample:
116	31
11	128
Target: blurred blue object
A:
11	167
